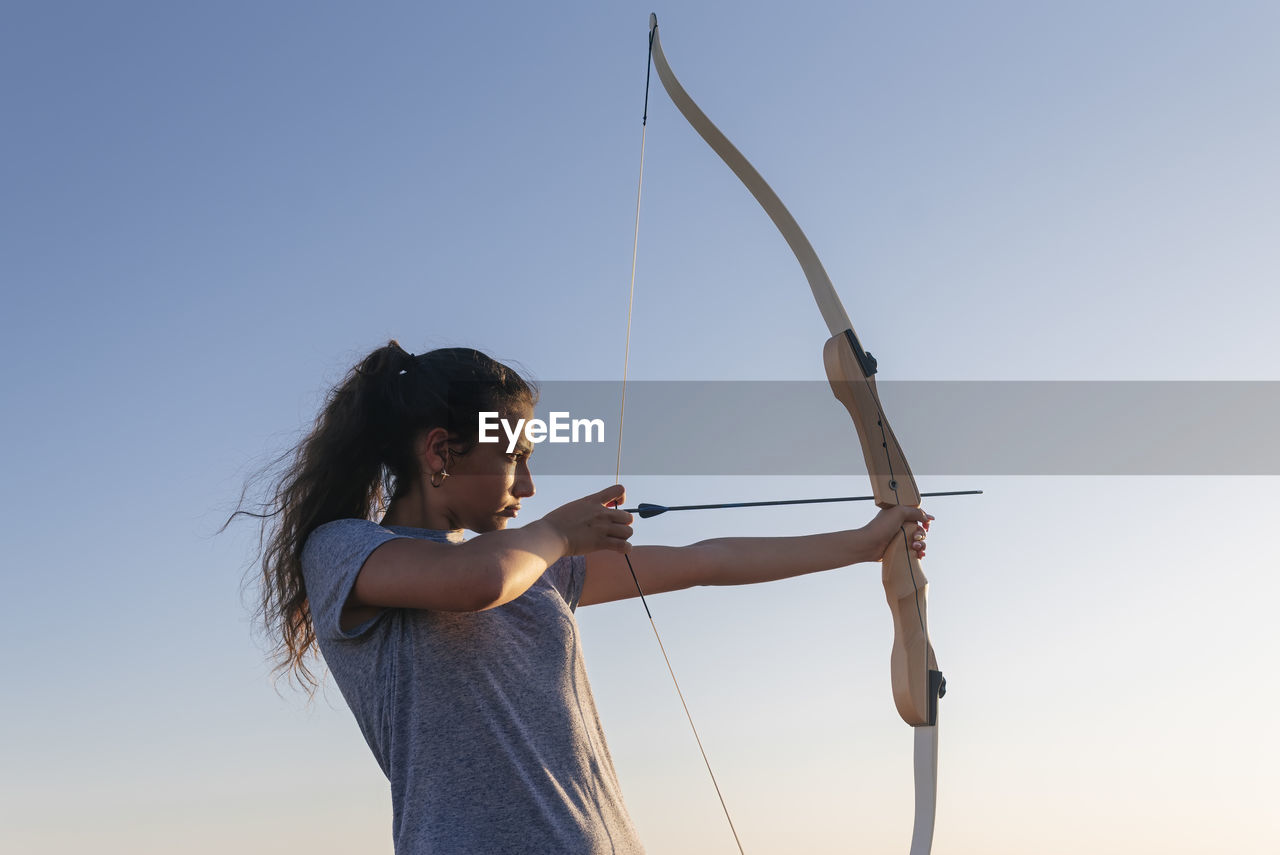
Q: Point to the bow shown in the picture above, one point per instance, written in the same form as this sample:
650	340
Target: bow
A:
917	682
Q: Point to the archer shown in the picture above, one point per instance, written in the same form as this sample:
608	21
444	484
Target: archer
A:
460	657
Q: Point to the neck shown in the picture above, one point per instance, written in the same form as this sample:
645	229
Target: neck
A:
412	509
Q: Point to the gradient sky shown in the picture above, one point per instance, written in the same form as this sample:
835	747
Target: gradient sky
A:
207	213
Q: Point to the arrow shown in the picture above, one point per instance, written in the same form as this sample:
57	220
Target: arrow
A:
646	510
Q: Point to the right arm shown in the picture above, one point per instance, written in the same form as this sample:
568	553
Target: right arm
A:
489	570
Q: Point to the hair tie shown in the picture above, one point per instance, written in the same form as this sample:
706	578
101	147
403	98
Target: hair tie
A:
411	361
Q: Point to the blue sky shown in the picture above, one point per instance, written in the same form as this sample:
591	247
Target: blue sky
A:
209	212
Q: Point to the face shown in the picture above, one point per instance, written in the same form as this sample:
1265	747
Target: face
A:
486	485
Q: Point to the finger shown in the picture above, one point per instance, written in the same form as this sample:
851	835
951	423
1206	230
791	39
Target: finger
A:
614	494
617	545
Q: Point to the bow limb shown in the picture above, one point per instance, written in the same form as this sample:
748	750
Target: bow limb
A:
917	682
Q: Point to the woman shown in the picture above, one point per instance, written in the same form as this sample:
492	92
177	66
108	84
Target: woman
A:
460	659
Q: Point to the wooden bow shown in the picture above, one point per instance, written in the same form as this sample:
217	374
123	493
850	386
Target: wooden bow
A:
917	682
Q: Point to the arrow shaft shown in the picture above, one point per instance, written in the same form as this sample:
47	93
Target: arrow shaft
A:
646	510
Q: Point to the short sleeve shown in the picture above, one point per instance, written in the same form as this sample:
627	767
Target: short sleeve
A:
567	575
331	560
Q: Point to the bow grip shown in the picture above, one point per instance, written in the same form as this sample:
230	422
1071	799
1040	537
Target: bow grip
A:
913	668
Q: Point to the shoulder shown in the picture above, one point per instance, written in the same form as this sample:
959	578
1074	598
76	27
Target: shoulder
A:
331	560
340	535
339	548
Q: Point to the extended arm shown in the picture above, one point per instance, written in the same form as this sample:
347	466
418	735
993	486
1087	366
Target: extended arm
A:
742	560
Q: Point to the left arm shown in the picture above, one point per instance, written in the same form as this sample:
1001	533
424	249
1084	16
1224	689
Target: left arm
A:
743	560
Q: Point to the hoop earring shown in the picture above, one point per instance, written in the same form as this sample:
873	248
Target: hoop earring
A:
441	475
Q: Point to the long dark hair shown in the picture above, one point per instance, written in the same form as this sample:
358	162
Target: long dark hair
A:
356	459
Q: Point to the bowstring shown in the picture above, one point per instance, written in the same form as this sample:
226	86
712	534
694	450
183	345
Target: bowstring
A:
626	364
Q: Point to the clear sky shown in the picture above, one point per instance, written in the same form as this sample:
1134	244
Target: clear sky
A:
208	212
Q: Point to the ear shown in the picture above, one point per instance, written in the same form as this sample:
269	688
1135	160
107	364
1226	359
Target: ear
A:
432	450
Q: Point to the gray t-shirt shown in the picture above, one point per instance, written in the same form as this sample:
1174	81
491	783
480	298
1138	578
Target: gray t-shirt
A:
483	722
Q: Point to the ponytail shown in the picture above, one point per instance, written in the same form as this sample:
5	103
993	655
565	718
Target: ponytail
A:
358	456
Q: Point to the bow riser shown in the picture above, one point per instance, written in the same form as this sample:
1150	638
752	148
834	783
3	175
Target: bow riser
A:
912	663
891	478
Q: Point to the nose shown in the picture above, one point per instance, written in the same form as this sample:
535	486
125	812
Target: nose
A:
523	486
